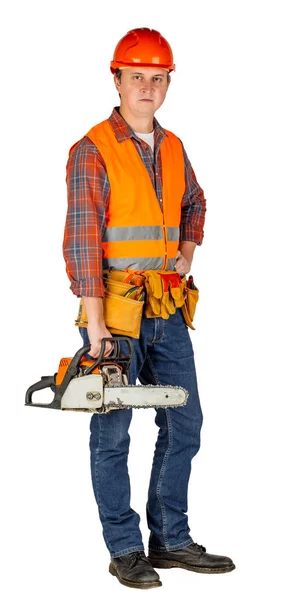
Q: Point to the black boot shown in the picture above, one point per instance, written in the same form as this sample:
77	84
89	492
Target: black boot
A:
192	558
134	570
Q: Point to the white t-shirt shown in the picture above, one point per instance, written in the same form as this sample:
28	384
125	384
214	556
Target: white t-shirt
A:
147	137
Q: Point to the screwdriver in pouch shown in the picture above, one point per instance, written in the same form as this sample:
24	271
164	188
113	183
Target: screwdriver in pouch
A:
190	283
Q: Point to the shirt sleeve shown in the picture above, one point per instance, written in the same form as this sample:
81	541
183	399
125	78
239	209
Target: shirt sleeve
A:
193	207
88	194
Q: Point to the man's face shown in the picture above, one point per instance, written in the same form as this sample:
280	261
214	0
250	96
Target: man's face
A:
142	89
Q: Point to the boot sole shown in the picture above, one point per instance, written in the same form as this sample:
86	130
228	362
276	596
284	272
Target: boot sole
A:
143	585
169	564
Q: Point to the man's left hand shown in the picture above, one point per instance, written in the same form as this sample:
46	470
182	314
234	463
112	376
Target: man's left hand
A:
182	265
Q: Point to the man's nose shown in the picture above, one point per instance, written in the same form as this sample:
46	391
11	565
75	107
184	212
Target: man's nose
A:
146	86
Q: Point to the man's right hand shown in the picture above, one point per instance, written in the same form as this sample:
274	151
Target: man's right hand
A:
96	333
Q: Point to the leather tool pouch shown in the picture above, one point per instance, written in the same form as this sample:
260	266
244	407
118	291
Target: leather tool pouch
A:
189	307
122	314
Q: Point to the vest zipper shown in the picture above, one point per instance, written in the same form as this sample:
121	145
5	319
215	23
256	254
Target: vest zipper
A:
161	206
165	240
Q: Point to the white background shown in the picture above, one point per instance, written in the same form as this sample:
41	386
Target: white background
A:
234	101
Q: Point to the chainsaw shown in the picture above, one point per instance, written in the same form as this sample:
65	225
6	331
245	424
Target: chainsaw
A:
101	385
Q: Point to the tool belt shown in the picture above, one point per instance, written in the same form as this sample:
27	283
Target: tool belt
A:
129	294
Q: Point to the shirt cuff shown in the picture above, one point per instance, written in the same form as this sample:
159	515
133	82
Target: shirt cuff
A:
189	235
88	287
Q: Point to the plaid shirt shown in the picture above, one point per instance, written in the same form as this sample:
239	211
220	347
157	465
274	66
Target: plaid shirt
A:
88	200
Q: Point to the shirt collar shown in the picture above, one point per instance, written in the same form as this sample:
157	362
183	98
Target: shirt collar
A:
123	131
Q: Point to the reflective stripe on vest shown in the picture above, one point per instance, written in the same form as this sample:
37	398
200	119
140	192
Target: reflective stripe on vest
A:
154	232
138	232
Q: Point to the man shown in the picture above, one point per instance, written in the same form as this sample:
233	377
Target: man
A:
128	181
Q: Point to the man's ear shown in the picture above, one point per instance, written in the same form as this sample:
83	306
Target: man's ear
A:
116	82
117	85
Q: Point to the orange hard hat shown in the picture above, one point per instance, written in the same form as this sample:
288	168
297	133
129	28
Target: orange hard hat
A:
144	47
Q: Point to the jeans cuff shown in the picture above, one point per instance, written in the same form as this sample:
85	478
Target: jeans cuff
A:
169	548
127	551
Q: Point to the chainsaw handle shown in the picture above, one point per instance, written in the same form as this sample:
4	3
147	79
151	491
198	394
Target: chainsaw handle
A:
115	354
44	382
80	353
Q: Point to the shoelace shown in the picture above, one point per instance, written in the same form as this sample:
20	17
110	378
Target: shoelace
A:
138	556
198	547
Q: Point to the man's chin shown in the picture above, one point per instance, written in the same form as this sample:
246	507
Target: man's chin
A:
146	108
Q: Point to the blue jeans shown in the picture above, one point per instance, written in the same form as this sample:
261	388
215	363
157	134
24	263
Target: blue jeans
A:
162	355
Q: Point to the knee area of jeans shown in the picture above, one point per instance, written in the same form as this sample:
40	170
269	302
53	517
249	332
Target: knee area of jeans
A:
112	444
109	431
194	436
199	425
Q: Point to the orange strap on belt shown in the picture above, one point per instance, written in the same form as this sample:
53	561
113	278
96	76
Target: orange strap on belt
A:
139	280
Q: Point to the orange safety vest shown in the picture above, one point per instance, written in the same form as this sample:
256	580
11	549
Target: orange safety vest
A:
139	233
